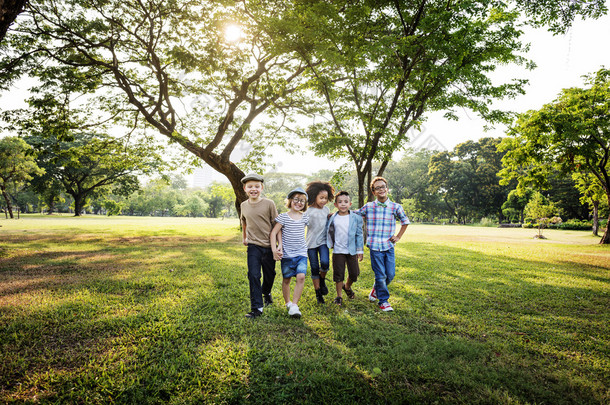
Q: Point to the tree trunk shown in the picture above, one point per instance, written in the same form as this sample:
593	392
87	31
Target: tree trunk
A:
7	199
606	238
595	217
78	204
9	9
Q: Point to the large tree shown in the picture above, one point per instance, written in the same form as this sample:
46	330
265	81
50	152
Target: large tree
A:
17	166
571	134
91	165
198	72
467	179
386	63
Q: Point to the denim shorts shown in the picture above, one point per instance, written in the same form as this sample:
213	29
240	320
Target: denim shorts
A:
291	266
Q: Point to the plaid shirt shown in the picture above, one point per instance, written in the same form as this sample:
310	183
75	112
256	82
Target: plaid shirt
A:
381	223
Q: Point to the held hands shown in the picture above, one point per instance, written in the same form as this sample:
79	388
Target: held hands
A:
277	255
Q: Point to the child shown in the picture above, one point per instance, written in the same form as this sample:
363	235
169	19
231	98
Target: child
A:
319	193
293	250
257	218
344	235
381	216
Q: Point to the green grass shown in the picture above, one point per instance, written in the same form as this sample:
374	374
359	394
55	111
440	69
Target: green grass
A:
151	310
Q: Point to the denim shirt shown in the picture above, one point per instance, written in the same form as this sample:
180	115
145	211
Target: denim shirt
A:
355	241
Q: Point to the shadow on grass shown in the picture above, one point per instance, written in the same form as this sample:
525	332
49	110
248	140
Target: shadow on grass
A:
158	320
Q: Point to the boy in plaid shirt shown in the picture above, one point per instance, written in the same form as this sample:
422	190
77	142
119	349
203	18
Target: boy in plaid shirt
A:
381	216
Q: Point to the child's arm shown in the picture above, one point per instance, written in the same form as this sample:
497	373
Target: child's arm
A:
359	240
243	233
277	254
402	230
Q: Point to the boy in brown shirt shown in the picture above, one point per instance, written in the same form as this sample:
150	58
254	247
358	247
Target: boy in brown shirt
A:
257	218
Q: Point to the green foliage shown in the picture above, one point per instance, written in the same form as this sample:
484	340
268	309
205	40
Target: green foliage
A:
467	179
17	166
570	135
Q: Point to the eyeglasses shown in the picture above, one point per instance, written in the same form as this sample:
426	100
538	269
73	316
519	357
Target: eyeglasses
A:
379	188
299	201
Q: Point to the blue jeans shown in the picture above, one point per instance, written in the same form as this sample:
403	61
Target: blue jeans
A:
317	266
384	267
260	258
291	266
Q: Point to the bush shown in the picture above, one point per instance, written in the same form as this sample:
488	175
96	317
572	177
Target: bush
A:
487	222
573	225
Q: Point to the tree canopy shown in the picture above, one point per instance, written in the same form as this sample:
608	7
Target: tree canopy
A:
571	134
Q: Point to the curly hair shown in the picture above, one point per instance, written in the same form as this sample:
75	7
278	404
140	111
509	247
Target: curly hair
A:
315	187
375	180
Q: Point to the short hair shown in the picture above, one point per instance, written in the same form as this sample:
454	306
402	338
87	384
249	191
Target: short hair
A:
375	180
315	187
343	192
289	201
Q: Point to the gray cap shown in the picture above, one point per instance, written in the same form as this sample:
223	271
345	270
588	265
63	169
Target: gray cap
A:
252	176
298	190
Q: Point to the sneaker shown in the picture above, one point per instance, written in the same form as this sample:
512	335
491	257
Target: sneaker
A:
289	304
349	292
323	286
386	307
373	295
320	297
338	301
293	311
254	314
267	299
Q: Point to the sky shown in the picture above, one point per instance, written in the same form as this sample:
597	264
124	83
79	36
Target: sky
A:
561	62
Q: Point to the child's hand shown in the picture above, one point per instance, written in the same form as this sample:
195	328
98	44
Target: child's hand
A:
277	256
245	241
395	239
360	257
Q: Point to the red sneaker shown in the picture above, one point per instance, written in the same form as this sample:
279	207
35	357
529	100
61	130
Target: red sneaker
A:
386	307
373	295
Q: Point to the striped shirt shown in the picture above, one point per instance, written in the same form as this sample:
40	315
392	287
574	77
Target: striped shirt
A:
381	223
293	235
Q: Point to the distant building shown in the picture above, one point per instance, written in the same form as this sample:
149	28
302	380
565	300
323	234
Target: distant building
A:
204	176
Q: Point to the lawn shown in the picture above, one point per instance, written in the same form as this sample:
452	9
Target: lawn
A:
151	310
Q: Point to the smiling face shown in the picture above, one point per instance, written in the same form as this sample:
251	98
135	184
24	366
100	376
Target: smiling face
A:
253	189
297	202
380	190
343	203
321	199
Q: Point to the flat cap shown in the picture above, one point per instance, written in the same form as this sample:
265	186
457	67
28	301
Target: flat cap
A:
252	176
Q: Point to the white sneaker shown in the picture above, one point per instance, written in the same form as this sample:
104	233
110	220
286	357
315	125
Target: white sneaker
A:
289	304
293	311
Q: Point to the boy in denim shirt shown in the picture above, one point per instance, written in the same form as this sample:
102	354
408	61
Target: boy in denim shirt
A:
344	236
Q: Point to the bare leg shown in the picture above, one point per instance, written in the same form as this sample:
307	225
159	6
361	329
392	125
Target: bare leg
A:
286	290
339	286
298	288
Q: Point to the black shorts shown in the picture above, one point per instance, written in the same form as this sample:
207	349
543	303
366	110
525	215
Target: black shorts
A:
339	262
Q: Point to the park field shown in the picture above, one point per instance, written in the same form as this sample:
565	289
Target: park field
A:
137	310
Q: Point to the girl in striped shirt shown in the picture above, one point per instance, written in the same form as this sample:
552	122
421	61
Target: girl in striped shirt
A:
293	255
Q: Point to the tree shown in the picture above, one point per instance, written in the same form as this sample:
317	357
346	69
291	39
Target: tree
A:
592	193
9	10
571	134
514	206
174	70
543	211
92	165
17	166
467	179
393	61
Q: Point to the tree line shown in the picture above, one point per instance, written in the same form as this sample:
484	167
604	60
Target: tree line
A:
364	73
